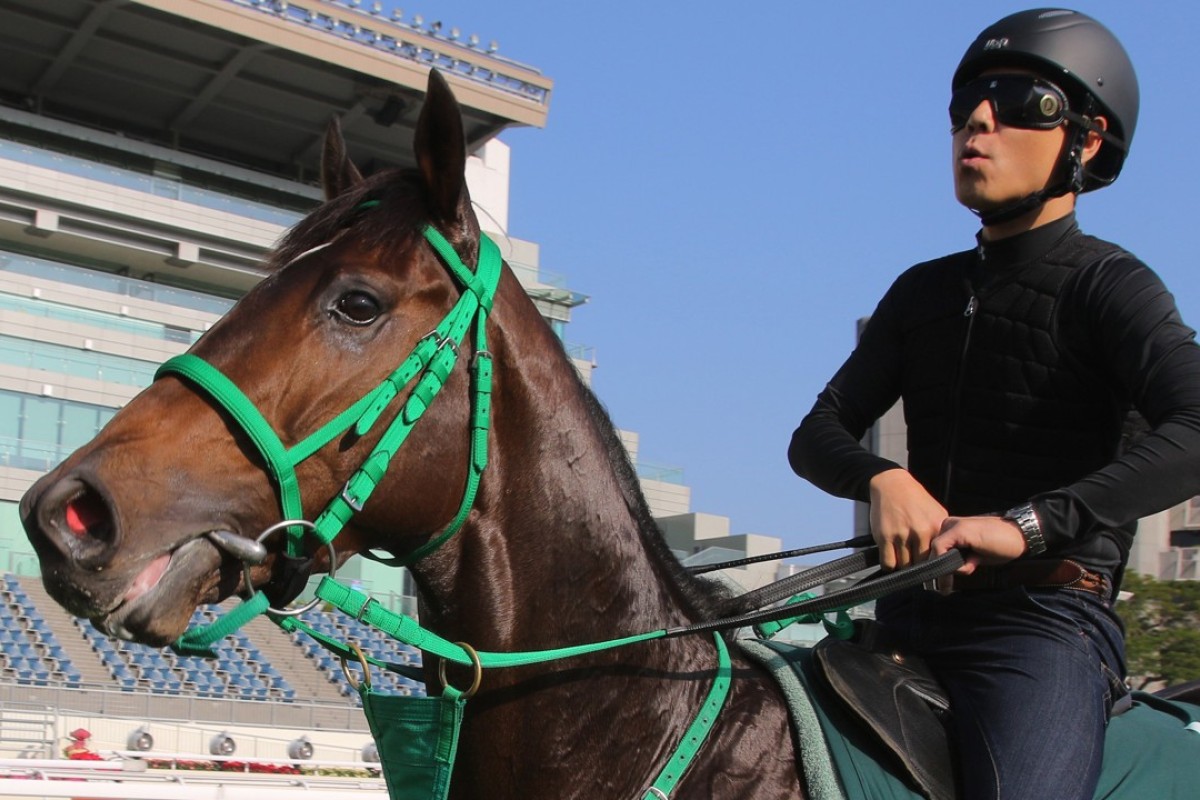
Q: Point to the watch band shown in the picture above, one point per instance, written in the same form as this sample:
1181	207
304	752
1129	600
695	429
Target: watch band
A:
1026	518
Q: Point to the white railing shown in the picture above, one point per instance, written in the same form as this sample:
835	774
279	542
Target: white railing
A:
131	778
411	41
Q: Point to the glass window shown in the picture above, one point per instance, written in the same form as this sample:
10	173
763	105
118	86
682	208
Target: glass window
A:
10	415
115	284
74	361
10	426
39	431
79	425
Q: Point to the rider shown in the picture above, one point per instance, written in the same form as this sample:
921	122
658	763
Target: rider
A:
1017	362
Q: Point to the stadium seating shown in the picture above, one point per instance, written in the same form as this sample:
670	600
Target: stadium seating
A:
239	672
31	653
374	643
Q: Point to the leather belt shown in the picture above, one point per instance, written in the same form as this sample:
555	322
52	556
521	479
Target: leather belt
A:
1044	573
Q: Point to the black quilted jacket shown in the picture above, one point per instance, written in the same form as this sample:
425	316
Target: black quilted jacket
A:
1018	364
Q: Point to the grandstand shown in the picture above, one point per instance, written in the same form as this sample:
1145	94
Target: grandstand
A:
140	186
262	678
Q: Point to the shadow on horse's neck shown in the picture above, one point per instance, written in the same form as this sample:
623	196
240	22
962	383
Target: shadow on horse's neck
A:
563	548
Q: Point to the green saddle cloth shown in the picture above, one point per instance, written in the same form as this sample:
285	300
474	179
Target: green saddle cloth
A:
1151	751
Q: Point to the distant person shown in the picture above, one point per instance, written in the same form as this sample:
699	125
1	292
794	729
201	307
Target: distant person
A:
1017	361
77	749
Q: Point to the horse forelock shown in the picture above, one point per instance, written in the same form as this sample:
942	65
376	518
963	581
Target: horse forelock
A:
386	212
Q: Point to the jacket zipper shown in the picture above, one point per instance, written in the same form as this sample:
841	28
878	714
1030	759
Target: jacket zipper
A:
952	443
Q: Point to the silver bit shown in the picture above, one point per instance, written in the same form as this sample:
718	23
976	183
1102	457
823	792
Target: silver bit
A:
245	550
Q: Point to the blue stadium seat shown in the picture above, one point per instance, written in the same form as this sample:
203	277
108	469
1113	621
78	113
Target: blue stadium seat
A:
20	669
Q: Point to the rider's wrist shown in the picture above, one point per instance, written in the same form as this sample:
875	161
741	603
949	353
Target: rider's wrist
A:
1026	519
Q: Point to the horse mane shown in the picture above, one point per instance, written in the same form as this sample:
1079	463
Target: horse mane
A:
706	599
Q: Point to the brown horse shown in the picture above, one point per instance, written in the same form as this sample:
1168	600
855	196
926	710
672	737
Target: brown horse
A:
559	547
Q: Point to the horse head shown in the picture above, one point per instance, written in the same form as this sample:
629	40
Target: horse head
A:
138	527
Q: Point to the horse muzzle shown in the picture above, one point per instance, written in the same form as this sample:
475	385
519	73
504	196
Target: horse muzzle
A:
93	568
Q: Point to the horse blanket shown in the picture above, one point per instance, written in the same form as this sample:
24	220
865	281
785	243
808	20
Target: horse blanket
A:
1151	750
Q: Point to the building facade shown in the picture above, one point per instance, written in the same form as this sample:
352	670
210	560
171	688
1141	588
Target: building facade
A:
152	152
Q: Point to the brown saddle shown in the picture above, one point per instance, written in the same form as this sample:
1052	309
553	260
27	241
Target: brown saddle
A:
900	700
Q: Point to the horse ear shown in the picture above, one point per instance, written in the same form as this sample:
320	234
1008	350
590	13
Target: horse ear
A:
441	151
338	172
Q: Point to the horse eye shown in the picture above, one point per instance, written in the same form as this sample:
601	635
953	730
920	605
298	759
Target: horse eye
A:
357	307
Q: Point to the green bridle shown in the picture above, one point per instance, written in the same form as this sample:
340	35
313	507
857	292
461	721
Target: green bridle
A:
429	364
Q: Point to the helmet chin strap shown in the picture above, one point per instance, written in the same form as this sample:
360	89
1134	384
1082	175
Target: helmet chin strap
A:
1020	207
1070	165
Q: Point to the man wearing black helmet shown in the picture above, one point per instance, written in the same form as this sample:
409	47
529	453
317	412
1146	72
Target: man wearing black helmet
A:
1018	362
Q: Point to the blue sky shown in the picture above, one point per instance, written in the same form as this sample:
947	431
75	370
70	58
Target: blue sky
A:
735	184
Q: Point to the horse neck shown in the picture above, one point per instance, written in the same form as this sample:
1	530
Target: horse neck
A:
561	551
561	548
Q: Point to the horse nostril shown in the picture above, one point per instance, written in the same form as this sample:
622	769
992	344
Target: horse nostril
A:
75	518
86	515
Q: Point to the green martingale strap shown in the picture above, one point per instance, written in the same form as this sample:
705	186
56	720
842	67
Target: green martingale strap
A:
697	732
840	627
198	641
408	631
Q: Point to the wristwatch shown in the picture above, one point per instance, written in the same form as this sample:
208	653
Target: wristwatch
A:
1026	519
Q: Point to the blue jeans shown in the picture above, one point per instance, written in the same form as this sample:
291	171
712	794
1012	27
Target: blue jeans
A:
1031	676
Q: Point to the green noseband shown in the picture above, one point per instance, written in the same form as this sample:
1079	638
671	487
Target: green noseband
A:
429	364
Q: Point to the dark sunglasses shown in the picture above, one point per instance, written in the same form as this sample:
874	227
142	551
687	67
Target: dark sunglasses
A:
1019	101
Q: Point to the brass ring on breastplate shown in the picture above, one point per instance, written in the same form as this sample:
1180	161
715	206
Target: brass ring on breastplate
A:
475	662
366	668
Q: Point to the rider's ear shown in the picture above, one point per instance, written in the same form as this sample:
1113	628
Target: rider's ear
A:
441	151
338	172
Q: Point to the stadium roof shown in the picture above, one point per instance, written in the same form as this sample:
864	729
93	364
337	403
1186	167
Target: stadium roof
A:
253	82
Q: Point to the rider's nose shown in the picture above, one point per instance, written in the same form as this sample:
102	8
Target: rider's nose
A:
983	118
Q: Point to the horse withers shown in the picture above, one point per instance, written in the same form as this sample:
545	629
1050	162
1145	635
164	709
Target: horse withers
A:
139	526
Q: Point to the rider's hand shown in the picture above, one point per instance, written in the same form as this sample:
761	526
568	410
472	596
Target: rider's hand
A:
904	518
986	541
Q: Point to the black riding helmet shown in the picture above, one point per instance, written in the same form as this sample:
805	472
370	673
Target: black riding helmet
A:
1085	60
